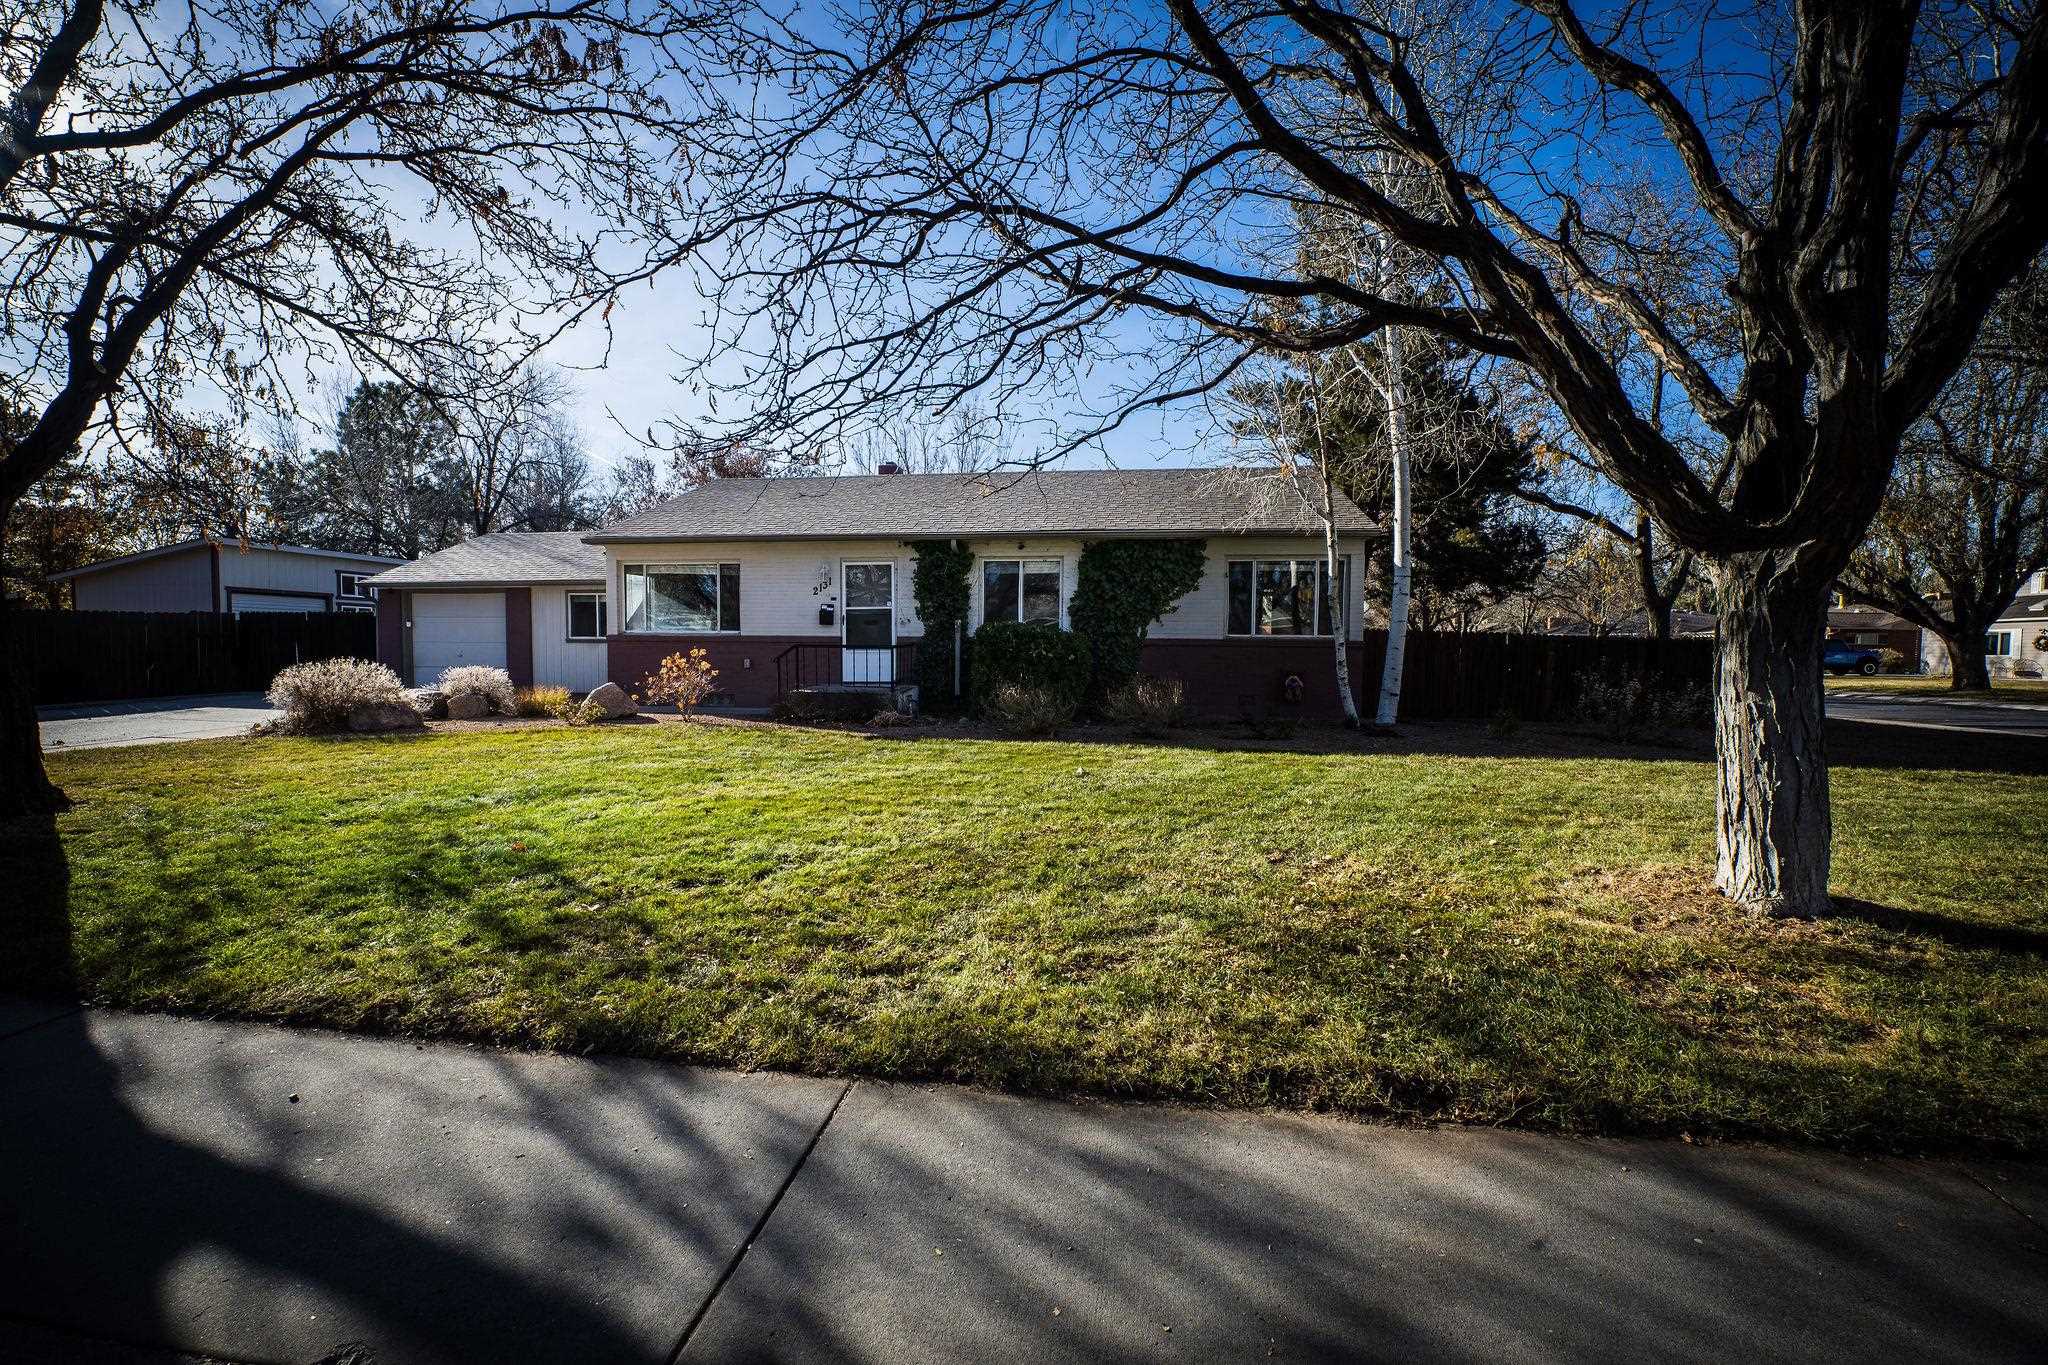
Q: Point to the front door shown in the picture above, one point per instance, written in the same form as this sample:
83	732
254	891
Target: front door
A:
868	624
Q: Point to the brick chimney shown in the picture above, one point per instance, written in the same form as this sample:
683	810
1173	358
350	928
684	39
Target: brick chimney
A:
888	467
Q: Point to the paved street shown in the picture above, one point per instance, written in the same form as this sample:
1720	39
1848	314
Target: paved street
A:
255	1193
101	725
1940	713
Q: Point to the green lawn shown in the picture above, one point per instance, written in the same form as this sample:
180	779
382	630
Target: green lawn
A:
2002	689
1433	933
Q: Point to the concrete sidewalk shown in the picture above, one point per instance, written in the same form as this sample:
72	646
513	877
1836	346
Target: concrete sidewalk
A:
256	1193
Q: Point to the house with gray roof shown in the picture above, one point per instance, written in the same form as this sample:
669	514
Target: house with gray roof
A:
237	577
783	580
2016	645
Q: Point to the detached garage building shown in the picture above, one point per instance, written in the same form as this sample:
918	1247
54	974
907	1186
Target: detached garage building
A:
529	602
227	576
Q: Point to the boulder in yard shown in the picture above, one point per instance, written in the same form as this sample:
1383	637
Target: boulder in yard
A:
613	701
383	717
468	706
430	702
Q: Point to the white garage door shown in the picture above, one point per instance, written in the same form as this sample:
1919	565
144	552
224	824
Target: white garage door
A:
454	628
248	603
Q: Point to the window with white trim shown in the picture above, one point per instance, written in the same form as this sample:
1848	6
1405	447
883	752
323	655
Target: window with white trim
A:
1998	644
1020	590
350	585
586	616
1283	596
682	598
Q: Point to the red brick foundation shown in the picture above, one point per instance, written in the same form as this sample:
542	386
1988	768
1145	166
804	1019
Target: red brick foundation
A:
1224	678
1227	678
745	663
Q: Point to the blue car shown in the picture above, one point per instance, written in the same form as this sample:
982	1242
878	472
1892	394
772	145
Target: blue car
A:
1841	658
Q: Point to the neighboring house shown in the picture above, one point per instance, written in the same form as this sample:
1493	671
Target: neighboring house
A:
778	579
227	576
2017	643
1876	628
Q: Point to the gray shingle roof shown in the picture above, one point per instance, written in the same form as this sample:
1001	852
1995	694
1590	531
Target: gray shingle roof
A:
502	557
1858	616
2031	608
1087	502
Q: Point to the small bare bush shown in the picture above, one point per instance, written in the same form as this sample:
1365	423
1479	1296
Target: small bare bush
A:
685	679
1147	705
1019	709
317	697
494	685
541	701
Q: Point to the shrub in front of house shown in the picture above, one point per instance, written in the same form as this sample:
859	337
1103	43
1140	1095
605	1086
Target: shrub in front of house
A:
1146	704
318	697
1638	710
686	679
493	685
1027	711
821	704
1891	660
541	701
1032	654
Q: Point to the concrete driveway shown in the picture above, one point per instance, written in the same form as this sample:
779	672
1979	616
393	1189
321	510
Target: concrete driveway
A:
246	1192
156	720
1940	713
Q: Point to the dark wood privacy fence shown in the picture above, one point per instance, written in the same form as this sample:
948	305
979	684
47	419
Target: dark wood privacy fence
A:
1475	676
111	655
1447	676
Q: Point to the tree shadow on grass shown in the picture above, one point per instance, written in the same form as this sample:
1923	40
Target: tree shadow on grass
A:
116	1230
1958	933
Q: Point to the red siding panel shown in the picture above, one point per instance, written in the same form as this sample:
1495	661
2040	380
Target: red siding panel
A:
391	631
519	635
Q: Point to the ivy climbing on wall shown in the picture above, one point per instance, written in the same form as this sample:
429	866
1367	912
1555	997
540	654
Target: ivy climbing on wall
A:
939	583
1123	589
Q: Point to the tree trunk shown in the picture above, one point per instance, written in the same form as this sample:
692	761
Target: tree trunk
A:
1968	669
1397	603
25	789
1773	822
1340	620
1657	603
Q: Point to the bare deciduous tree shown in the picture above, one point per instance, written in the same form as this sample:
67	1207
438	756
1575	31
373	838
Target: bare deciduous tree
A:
1966	520
197	198
1023	194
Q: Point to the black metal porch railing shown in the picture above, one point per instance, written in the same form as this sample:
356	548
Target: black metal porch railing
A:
825	663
